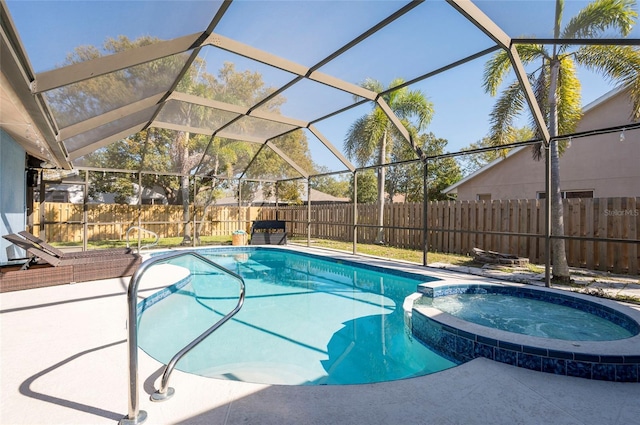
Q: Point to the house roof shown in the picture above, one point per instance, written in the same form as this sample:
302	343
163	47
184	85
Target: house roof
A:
453	189
316	196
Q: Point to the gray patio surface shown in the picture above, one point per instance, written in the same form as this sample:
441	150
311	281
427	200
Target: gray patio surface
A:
64	361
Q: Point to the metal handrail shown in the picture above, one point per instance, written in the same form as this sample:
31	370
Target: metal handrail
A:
144	230
135	415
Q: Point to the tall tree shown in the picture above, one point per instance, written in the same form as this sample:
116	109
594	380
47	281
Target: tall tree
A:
473	162
335	185
557	87
367	183
407	179
371	138
159	150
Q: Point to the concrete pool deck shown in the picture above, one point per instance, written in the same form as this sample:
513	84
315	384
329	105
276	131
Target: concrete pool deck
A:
63	360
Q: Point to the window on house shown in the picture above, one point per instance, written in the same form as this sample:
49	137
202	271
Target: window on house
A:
484	197
58	196
568	194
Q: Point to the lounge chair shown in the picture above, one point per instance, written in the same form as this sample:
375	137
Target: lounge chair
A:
82	268
77	254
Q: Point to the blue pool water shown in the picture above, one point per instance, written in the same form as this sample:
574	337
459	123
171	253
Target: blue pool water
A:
529	317
306	321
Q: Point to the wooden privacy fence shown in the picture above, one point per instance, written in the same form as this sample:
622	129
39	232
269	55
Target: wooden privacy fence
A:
64	222
459	226
453	226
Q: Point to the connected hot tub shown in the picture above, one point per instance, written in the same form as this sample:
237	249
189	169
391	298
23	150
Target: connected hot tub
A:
535	328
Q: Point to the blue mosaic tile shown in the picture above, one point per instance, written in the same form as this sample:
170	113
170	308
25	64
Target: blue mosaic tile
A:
579	369
627	373
530	361
506	356
483	350
603	372
464	348
555	366
448	343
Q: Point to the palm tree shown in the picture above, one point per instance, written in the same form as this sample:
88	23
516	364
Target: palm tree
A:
557	88
371	137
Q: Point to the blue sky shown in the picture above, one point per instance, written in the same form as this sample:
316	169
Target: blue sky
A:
305	32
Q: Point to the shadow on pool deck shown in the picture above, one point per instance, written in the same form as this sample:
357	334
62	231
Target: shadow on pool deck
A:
64	361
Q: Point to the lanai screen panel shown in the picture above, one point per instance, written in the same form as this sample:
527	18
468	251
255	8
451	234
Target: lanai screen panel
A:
430	37
256	129
88	138
530	18
89	98
227	157
198	117
336	128
309	100
51	30
172	151
268	165
324	160
227	77
304	32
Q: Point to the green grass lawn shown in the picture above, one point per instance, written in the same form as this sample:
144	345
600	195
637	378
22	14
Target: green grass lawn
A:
162	243
410	255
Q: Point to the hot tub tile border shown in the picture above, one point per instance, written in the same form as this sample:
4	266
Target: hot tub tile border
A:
462	346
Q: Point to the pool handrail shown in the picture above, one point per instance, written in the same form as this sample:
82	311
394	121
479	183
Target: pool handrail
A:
135	415
140	248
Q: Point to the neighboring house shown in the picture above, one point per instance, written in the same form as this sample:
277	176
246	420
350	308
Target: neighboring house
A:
74	194
599	166
317	197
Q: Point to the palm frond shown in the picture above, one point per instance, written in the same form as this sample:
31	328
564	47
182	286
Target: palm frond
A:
619	64
598	16
508	106
569	98
494	72
499	65
414	104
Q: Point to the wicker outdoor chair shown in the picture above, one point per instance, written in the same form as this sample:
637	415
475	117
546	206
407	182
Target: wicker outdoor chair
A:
82	268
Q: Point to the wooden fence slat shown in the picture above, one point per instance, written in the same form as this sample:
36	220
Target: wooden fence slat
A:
634	233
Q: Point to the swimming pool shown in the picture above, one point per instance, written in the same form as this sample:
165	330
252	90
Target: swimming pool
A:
307	320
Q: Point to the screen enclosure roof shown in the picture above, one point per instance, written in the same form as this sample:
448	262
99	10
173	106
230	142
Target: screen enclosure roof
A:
257	89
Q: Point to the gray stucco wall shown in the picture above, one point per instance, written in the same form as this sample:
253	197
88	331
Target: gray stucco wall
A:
12	190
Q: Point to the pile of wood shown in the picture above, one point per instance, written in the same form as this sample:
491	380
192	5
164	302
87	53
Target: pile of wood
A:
492	257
